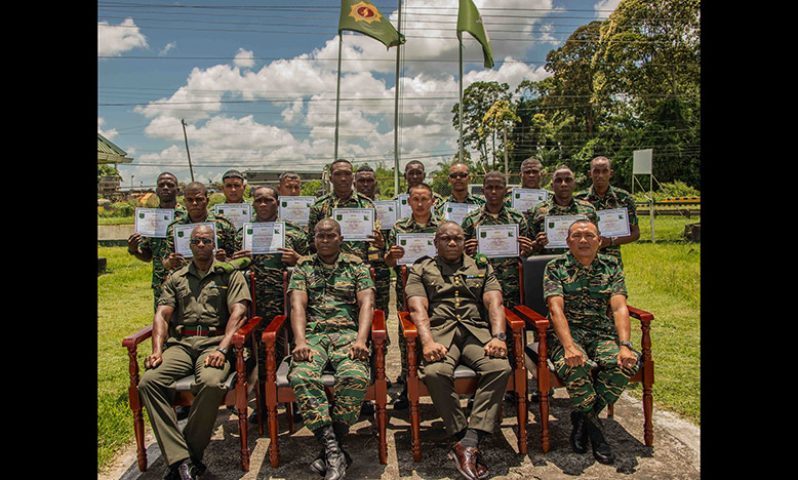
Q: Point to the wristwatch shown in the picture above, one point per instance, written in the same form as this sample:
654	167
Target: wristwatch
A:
627	344
501	336
222	350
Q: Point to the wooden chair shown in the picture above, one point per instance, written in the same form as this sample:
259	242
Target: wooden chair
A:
465	379
238	385
278	389
534	311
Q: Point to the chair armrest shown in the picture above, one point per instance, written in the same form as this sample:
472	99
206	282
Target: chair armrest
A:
269	336
410	331
138	337
515	323
378	327
245	330
642	315
533	319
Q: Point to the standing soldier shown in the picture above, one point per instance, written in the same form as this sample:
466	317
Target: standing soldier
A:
604	196
561	203
531	174
290	184
332	306
269	270
343	196
495	212
233	185
586	295
420	221
415	174
459	178
196	199
149	249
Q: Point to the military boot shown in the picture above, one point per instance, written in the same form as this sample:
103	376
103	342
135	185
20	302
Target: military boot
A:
579	432
334	460
318	465
601	449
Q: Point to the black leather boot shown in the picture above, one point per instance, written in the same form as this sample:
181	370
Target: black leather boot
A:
579	432
334	459
601	449
318	465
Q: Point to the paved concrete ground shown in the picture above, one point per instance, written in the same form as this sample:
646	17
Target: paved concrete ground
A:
675	454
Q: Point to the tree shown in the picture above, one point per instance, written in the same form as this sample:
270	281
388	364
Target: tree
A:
106	170
499	118
477	99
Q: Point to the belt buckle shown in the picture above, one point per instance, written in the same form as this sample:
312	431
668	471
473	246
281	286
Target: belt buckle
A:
200	329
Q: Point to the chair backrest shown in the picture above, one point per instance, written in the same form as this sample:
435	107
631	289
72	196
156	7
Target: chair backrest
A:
534	267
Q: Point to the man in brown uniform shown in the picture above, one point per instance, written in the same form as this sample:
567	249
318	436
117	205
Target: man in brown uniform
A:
200	308
449	297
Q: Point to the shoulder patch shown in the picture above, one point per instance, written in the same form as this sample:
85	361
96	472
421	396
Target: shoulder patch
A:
348	257
481	260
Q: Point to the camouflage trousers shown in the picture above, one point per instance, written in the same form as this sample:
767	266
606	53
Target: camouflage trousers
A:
351	380
156	295
382	283
400	307
586	391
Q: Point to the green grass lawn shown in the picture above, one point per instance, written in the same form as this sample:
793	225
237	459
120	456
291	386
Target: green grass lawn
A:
124	306
661	278
665	279
115	221
666	228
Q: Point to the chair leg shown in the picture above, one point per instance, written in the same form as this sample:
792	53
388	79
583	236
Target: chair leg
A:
610	410
648	410
274	443
241	405
138	428
521	413
543	389
415	428
259	405
289	409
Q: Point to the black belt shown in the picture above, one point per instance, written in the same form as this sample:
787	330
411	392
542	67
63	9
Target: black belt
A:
198	331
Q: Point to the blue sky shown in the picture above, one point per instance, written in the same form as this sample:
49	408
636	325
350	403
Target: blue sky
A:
255	80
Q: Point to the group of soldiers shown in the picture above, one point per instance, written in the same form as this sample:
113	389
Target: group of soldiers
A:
455	299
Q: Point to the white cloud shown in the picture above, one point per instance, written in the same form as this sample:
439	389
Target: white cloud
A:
114	40
292	112
109	134
169	46
605	7
244	58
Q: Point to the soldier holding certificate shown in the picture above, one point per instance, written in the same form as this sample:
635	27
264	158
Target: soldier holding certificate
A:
153	249
420	221
603	196
495	212
459	178
560	204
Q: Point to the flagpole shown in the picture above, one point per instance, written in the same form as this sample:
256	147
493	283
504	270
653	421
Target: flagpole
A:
460	50
338	95
396	112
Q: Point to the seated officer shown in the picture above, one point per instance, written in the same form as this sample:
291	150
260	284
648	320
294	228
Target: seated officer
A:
448	297
582	288
201	307
332	298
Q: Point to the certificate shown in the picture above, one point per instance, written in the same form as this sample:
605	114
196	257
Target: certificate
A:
263	237
525	198
456	212
356	223
416	245
497	241
152	222
296	209
182	233
614	222
556	228
237	213
386	213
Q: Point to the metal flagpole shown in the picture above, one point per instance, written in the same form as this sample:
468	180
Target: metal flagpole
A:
396	113
338	96
460	41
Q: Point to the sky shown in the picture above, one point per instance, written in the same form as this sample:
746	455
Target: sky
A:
255	81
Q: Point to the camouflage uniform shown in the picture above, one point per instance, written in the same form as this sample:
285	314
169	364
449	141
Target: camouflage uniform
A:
405	225
437	202
506	268
269	302
470	199
536	216
157	246
586	292
227	237
382	281
613	198
323	209
458	320
198	300
332	323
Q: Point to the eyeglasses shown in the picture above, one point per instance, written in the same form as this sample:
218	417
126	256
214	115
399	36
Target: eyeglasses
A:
204	241
458	175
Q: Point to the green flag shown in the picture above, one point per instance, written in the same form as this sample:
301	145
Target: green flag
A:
361	16
469	20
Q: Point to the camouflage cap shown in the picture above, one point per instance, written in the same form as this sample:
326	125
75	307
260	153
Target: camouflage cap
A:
232	173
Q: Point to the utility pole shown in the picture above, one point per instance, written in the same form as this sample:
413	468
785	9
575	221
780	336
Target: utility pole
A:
131	182
185	137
